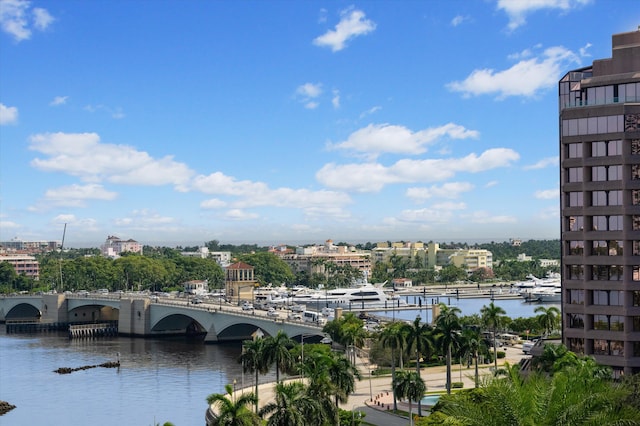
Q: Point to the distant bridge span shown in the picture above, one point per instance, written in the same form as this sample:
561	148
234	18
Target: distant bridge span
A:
144	317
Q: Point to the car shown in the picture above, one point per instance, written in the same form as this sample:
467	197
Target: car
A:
247	307
272	313
527	346
295	317
195	301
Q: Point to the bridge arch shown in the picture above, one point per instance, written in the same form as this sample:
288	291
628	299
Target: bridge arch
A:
178	324
23	311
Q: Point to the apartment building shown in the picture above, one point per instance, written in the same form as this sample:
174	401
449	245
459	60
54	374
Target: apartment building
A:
599	107
23	264
114	246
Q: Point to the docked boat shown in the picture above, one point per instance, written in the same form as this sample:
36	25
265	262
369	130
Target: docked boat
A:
361	296
547	295
546	290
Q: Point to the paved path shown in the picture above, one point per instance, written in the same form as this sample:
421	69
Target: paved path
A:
373	395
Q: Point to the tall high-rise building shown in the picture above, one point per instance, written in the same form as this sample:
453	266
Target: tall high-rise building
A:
600	206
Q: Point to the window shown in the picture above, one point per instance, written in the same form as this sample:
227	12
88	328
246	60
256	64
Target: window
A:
636	323
599	198
635	296
614	198
606	273
600	297
635	147
575	199
615	223
635	197
574	174
598	174
608	347
577	345
576	272
614	173
616	348
576	321
636	273
576	247
598	149
615	248
636	248
614	148
599	248
600	322
599	223
576	297
575	150
576	223
616	323
635	171
635	222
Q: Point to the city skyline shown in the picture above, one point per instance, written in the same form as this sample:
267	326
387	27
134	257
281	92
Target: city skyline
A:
177	123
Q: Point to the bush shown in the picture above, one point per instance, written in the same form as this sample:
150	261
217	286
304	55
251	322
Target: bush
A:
457	385
501	354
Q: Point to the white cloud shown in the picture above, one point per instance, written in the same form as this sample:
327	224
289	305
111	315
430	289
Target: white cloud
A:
372	177
491	184
447	190
335	101
145	219
543	164
84	156
352	23
17	20
76	195
458	20
8	115
549	213
7	224
238	214
59	100
213	203
484	217
256	194
308	93
517	10
526	78
370	111
584	50
376	139
547	194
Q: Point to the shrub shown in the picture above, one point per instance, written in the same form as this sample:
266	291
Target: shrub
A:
501	354
457	385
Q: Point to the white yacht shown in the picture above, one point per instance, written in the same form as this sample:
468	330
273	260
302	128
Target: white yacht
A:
362	296
541	290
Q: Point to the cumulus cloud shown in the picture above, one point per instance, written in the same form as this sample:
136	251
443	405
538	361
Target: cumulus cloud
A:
543	164
59	100
526	78
376	139
213	203
239	214
447	190
18	19
255	194
352	23
372	177
85	156
7	225
8	115
146	219
335	101
517	10
548	194
76	195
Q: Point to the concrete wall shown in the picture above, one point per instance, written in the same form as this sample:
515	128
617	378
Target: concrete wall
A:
54	308
134	317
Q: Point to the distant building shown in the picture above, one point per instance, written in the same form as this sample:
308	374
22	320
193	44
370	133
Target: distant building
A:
467	259
114	247
196	287
23	264
240	283
223	258
16	245
599	121
313	259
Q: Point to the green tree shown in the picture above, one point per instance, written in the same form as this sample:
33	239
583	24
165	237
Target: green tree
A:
549	318
492	318
342	375
231	410
292	406
393	337
470	345
448	334
409	385
276	351
421	341
253	360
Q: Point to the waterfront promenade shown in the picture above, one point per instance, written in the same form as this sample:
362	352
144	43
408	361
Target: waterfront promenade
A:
376	410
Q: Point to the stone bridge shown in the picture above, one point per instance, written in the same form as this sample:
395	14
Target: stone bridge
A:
145	317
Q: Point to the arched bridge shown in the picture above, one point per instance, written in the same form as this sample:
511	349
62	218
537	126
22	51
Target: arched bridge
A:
144	317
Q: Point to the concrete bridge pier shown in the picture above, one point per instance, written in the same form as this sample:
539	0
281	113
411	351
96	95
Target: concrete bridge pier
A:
134	319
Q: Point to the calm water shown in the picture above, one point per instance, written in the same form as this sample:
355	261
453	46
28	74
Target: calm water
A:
513	307
158	380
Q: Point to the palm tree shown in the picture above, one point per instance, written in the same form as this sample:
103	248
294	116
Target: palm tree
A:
276	350
232	411
549	318
342	375
492	317
320	386
448	332
393	336
409	385
471	343
254	361
292	406
420	339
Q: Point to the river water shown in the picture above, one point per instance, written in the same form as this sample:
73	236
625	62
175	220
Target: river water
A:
158	380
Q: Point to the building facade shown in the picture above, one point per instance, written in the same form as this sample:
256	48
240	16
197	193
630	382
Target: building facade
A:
114	246
599	108
23	264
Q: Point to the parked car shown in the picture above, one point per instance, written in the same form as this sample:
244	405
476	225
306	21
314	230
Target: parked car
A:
272	313
526	347
295	317
247	307
195	301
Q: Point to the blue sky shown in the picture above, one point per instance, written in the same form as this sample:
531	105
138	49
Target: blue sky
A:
178	122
